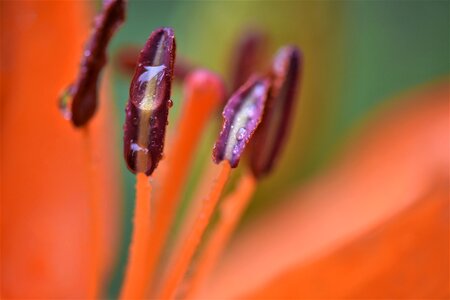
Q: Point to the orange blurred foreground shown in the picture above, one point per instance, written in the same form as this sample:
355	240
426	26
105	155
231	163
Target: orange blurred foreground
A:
45	189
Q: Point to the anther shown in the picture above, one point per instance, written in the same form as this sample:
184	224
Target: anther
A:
242	115
79	102
248	56
269	139
148	106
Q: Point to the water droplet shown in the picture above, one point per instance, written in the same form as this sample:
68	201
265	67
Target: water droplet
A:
145	89
235	150
65	104
87	53
151	72
259	91
137	148
251	110
240	134
169	103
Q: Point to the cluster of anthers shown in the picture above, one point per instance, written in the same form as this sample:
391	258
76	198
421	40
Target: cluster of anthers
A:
255	121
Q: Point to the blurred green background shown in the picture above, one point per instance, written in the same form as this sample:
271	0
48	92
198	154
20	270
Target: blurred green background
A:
358	55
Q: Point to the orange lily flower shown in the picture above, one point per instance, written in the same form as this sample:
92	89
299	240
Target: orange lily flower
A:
375	224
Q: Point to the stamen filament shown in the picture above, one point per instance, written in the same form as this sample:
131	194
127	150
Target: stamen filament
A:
203	188
203	93
231	210
95	219
184	254
135	281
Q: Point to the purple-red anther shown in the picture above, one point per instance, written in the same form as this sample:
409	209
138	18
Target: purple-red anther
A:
248	56
148	106
242	115
79	101
271	134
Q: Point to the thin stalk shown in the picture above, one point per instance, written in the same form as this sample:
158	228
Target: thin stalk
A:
184	254
231	210
134	278
203	95
95	219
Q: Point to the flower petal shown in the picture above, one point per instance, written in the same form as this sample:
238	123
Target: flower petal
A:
44	183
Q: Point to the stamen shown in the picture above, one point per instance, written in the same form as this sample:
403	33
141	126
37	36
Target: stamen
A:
144	132
248	57
242	115
79	102
134	280
95	219
185	253
148	106
285	75
231	210
204	92
272	132
202	188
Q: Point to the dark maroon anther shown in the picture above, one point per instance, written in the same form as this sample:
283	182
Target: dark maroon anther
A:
267	143
182	69
148	106
242	115
247	57
79	101
125	60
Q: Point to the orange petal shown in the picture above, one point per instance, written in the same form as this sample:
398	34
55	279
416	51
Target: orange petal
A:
402	258
367	228
44	225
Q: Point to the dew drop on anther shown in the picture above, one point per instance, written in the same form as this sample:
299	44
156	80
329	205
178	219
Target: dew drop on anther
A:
235	150
136	148
65	104
241	134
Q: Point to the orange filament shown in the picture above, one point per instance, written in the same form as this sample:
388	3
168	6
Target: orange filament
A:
203	95
184	254
140	242
231	211
95	219
203	188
